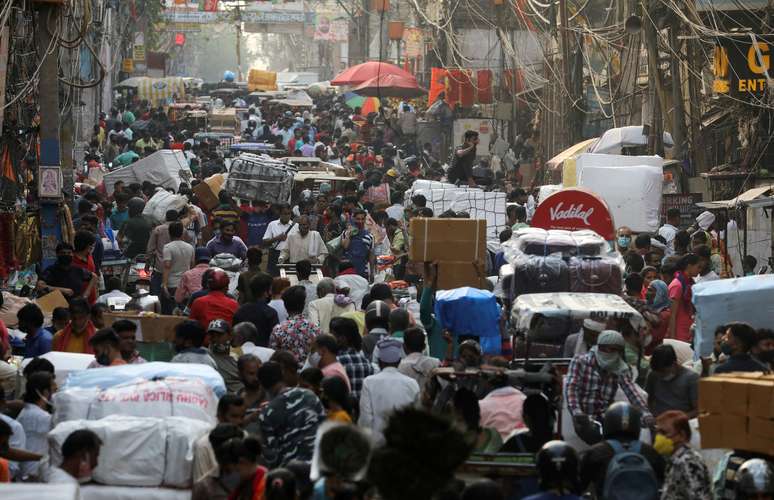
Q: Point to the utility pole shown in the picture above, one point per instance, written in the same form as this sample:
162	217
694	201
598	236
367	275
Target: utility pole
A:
569	126
238	27
656	135
678	113
50	154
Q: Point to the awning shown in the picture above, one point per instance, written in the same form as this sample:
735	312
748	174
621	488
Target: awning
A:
581	147
743	199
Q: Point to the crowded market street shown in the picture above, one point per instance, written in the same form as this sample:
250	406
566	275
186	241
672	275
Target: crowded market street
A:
352	250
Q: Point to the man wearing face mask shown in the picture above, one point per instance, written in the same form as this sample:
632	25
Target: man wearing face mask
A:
35	417
592	381
72	281
739	340
623	239
220	351
580	342
80	452
671	386
105	344
764	349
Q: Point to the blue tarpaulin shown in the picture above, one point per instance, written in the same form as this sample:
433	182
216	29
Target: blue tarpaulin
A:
468	311
749	299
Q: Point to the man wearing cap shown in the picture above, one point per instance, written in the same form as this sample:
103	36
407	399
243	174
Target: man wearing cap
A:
220	351
580	342
386	391
191	281
105	344
592	381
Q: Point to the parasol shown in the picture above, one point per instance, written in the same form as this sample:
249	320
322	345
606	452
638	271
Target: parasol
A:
390	85
364	72
366	104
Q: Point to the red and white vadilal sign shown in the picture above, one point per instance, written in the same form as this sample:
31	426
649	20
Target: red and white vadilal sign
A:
574	209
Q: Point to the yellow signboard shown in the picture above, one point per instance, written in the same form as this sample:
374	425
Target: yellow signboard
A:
127	65
741	67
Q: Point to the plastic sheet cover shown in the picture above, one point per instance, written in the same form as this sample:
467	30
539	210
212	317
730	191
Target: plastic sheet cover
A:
110	376
747	299
452	308
597	306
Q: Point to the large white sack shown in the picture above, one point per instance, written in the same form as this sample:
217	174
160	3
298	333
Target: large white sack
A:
156	208
133	449
138	451
168	397
101	492
73	404
630	185
64	363
182	434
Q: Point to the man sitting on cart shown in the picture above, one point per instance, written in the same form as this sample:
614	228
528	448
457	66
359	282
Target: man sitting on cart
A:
303	244
592	381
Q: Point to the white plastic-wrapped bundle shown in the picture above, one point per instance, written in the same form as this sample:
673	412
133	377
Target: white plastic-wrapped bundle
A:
168	397
566	244
161	202
489	205
138	451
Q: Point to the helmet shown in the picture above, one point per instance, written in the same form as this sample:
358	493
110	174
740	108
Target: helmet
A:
557	465
219	280
377	310
754	477
622	420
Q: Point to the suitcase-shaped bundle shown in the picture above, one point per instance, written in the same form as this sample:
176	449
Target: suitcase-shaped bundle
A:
254	177
595	275
537	274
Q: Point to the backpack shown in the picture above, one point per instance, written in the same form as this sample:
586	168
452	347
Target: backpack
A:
629	474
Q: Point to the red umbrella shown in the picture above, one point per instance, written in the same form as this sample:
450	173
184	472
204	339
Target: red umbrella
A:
390	86
362	72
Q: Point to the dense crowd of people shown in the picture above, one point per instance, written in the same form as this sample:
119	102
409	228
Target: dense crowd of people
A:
335	382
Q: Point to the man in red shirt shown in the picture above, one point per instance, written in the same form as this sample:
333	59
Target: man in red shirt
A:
83	246
214	305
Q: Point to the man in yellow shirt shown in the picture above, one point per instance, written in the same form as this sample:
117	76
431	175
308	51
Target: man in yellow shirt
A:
76	335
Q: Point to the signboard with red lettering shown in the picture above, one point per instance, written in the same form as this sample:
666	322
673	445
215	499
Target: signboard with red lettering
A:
574	209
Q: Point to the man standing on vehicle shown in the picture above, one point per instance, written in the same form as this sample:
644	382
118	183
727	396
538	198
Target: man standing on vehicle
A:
461	170
228	242
303	245
592	381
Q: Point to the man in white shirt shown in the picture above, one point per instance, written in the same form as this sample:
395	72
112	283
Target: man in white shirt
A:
395	211
669	230
276	236
325	308
35	420
387	391
303	245
178	258
80	452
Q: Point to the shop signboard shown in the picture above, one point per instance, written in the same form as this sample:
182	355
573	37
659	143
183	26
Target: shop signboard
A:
741	67
574	209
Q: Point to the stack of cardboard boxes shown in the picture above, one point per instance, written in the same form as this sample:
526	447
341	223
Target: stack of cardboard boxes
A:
736	411
458	245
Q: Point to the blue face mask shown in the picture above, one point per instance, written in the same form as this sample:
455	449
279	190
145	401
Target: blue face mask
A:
624	241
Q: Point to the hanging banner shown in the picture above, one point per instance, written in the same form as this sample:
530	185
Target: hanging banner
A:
437	84
328	27
138	50
127	65
414	39
574	209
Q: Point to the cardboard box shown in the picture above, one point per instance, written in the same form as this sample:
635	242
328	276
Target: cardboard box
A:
207	191
760	401
457	240
723	431
453	274
157	328
724	395
760	435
